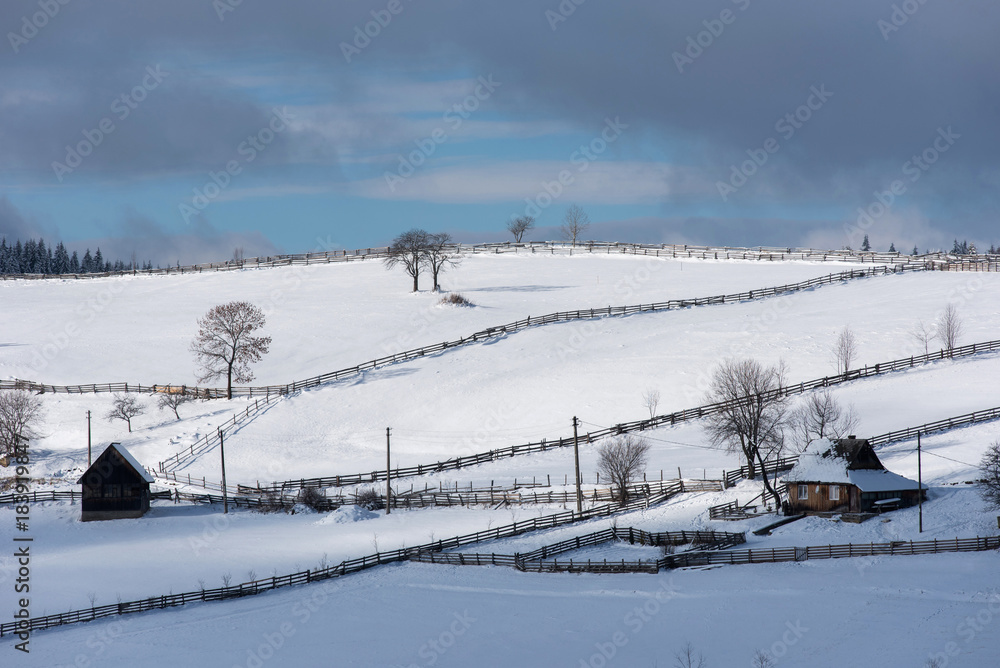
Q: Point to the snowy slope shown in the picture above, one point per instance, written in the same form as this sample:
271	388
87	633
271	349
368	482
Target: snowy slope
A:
511	390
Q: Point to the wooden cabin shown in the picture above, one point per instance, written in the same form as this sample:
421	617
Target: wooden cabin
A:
115	487
845	475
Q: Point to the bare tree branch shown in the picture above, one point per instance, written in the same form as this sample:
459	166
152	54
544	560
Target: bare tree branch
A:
20	413
438	255
845	350
125	407
173	401
949	327
754	412
923	334
225	346
620	459
821	416
408	250
575	223
519	226
651	399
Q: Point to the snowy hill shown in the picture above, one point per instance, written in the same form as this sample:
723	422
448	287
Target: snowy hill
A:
520	387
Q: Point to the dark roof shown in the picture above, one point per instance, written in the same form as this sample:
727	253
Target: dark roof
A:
126	458
857	452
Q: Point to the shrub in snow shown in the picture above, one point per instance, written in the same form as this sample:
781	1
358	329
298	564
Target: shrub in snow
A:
455	299
313	498
369	499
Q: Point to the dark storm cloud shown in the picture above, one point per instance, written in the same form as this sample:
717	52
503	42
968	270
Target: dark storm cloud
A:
892	89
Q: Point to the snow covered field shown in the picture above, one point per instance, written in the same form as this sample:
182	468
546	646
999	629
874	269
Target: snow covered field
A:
877	611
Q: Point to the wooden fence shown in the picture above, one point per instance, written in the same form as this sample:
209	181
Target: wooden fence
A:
639	425
780	554
762	253
320	574
482	335
210	440
539	560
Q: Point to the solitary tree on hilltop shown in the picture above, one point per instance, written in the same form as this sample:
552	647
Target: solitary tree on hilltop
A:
575	223
518	226
438	255
408	250
226	345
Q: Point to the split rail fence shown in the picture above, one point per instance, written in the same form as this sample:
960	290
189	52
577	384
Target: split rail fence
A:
482	335
640	425
658	250
346	567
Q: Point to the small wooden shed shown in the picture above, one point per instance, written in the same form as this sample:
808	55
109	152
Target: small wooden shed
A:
115	487
845	475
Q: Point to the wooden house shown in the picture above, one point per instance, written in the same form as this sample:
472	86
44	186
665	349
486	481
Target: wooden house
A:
845	475
116	486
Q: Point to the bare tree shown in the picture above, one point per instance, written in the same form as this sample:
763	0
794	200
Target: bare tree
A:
754	412
226	346
438	255
989	467
575	223
762	659
173	401
238	256
125	407
687	657
621	459
20	414
923	334
845	350
408	250
821	416
518	226
651	399
949	327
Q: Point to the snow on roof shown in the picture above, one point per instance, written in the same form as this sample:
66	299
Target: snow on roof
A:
127	456
881	481
814	467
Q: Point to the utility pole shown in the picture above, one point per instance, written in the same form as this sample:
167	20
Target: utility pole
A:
576	457
88	440
225	497
920	486
388	475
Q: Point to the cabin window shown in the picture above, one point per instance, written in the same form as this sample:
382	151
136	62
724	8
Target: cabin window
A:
835	492
803	492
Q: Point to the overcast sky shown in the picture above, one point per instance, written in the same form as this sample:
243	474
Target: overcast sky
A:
181	129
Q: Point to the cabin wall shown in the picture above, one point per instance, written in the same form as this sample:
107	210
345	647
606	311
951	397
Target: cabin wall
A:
818	498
